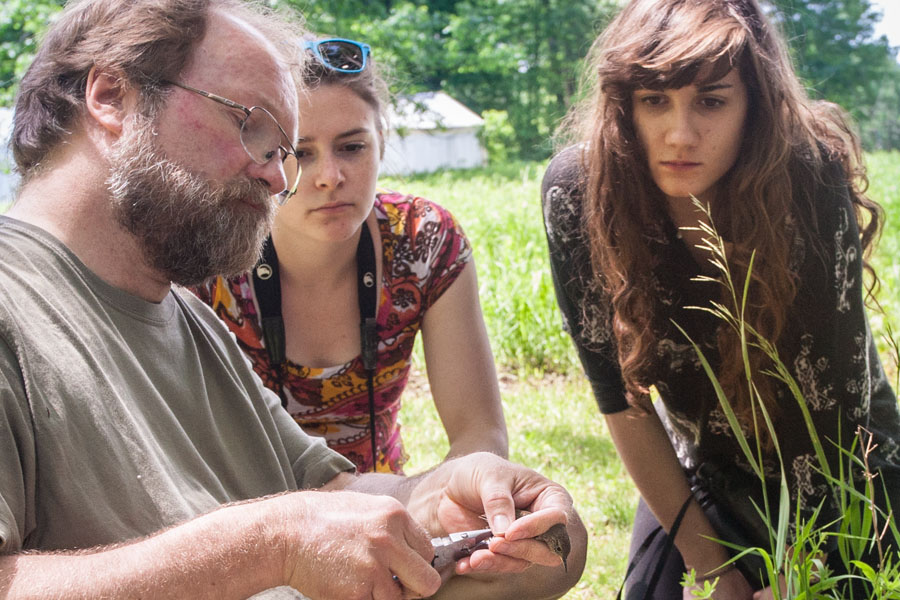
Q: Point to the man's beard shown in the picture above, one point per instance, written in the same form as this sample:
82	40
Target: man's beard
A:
188	228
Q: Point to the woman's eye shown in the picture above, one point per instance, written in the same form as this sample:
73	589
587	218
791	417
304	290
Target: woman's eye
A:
712	102
354	147
653	100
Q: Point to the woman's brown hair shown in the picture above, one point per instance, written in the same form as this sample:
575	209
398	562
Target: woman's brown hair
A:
659	44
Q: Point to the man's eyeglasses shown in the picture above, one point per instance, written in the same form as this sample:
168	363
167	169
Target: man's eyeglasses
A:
262	137
346	56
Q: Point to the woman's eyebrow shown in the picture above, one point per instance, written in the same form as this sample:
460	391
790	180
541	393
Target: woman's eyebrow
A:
713	87
352	132
349	133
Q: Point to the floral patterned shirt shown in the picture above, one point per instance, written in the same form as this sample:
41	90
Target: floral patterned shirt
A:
827	345
423	252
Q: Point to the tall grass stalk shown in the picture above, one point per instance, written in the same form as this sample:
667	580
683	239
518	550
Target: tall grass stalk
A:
795	561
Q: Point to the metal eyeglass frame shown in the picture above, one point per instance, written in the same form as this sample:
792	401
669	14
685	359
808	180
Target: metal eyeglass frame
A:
285	152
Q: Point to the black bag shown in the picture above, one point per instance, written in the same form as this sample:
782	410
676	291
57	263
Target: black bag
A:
725	495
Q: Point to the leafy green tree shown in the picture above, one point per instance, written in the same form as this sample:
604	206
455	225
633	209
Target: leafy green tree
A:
518	56
21	24
523	56
880	124
840	59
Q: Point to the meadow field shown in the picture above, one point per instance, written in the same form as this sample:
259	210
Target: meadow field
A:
553	423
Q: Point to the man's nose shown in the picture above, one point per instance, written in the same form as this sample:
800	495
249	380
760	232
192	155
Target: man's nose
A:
271	173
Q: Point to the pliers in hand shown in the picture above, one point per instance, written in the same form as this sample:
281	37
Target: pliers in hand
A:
452	547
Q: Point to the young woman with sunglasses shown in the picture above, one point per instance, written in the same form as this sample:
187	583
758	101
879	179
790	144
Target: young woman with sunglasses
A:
696	98
349	265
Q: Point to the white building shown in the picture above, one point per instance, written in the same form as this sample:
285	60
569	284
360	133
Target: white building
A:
431	131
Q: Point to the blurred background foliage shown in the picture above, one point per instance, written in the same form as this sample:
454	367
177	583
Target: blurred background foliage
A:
522	57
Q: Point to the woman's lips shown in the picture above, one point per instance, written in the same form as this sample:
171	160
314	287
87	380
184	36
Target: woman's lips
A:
679	165
332	207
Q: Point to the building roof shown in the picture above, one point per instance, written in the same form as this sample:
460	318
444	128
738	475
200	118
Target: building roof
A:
432	110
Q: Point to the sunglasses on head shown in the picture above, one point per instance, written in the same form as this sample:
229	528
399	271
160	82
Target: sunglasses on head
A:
346	56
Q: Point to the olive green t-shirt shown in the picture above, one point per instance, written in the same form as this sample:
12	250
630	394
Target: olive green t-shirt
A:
120	417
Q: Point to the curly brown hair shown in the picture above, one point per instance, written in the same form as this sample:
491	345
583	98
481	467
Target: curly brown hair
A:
665	44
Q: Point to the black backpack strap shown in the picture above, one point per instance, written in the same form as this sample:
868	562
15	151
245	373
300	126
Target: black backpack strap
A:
366	291
267	285
664	555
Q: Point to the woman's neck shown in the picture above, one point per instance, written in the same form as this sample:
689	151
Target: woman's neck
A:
305	261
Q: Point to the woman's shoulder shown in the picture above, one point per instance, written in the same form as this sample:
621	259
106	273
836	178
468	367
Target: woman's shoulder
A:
566	172
409	213
821	195
404	202
562	193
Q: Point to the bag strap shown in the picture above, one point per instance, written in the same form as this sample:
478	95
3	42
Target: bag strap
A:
267	285
664	556
366	292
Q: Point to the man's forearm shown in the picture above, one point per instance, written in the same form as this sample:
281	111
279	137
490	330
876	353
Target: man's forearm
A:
224	554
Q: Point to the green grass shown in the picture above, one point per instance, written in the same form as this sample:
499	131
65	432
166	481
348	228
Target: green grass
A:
554	425
884	187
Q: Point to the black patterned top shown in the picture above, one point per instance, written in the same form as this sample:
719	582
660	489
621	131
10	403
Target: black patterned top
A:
827	344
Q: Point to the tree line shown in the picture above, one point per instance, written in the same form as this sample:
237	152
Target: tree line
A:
517	62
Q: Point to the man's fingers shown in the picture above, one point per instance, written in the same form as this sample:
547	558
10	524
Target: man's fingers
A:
530	551
499	509
534	524
486	561
418	540
387	588
415	574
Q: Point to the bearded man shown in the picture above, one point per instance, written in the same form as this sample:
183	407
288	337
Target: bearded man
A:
140	456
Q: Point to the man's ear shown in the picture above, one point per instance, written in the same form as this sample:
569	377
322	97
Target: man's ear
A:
109	99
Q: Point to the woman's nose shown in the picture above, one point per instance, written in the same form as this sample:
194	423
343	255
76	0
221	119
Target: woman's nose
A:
681	129
328	174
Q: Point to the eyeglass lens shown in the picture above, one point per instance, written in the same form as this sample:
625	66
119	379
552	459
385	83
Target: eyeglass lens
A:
263	140
342	56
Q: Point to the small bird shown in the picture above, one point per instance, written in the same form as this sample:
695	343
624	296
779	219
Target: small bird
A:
556	538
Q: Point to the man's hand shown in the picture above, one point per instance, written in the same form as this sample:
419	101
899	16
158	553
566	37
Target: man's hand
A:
455	495
347	545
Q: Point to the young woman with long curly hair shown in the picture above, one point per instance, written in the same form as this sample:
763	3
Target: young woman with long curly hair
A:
697	100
